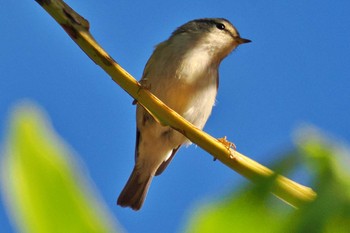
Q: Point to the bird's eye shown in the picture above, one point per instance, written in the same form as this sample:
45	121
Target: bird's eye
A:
220	26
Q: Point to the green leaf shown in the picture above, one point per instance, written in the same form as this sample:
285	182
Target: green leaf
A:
253	209
44	187
248	210
329	161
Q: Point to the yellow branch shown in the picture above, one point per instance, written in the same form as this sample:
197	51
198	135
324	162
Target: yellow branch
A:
78	29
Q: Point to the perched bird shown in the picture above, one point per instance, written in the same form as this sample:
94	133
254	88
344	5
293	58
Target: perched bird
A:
183	73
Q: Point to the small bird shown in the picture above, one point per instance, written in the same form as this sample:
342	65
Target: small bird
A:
183	73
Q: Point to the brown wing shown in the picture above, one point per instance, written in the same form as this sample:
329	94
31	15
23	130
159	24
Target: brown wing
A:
164	165
137	144
217	80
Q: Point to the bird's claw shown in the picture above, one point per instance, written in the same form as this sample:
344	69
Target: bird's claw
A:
142	85
228	145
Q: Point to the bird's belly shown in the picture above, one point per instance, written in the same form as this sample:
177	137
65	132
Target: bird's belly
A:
193	103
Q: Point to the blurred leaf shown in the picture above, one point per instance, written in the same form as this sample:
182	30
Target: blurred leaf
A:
246	211
42	184
330	161
253	209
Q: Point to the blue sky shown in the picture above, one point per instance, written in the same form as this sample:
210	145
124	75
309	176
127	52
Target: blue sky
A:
296	71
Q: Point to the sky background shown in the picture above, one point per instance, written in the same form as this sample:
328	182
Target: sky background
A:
295	72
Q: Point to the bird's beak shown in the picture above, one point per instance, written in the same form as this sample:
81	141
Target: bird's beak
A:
240	40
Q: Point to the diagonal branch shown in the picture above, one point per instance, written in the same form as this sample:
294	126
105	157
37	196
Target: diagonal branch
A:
78	29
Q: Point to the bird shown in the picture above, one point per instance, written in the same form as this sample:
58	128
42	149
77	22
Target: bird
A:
183	73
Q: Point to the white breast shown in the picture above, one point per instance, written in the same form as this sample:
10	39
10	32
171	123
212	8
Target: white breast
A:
183	78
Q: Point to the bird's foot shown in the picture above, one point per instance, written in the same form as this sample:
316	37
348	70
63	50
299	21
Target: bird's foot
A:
143	85
228	145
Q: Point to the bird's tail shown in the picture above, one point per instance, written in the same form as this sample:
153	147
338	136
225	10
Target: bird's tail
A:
135	190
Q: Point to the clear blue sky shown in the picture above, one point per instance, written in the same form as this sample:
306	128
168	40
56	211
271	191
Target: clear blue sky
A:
296	71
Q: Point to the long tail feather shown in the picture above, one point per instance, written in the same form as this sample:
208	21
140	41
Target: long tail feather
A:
135	190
